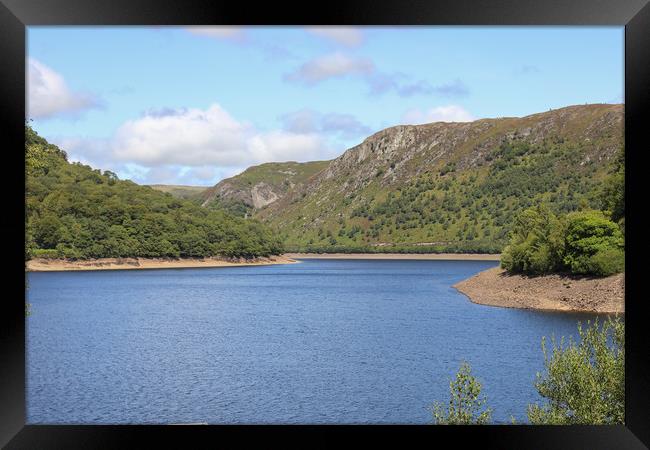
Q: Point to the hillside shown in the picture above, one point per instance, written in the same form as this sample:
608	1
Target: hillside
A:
74	211
259	186
450	186
179	191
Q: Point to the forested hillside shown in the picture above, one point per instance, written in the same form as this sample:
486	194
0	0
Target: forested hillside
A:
74	211
452	186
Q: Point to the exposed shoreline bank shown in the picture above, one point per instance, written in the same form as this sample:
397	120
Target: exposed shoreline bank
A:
58	265
494	287
413	256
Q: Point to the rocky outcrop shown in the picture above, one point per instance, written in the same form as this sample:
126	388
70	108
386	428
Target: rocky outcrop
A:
259	186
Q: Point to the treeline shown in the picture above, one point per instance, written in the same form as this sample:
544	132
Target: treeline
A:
478	247
588	242
74	211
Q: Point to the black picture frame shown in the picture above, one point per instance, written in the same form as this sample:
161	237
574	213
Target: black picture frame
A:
15	15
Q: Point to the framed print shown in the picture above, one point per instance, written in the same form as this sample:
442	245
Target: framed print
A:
379	219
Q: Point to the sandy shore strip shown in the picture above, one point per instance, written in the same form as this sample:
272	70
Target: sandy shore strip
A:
423	256
48	265
495	287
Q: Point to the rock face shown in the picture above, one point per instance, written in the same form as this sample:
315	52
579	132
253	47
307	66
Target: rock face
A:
496	287
259	186
262	194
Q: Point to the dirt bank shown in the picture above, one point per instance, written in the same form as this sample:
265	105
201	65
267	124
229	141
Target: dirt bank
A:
432	256
46	265
551	292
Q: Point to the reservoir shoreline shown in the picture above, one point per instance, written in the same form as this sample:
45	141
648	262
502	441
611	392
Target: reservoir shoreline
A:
61	265
405	256
58	265
557	292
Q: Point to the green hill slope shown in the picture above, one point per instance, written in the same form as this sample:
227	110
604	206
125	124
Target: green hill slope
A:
450	186
180	191
75	211
259	186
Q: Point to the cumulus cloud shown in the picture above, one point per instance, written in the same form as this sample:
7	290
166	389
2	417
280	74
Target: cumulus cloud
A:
195	137
48	94
334	65
347	36
184	144
344	126
449	113
230	33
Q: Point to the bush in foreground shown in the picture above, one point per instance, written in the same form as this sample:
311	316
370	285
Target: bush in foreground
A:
584	382
465	403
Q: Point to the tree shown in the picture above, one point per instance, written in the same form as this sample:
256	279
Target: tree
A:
594	244
612	196
536	242
465	403
584	382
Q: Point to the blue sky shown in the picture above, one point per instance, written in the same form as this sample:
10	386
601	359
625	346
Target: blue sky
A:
194	105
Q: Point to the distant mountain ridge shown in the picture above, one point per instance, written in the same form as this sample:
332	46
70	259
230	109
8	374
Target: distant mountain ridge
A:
180	191
439	186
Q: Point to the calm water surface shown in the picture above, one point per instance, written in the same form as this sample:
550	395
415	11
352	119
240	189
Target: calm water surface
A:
323	341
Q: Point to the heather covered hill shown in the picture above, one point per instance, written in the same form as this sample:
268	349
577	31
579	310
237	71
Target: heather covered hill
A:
451	186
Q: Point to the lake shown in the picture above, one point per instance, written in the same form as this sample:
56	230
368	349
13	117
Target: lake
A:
322	341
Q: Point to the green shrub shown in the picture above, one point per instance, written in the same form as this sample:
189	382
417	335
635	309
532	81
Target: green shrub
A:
585	243
584	382
45	253
594	244
607	262
536	243
465	402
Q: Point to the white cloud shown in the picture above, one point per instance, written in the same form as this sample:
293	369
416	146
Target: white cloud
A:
219	32
177	145
182	136
348	36
48	94
332	65
449	113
